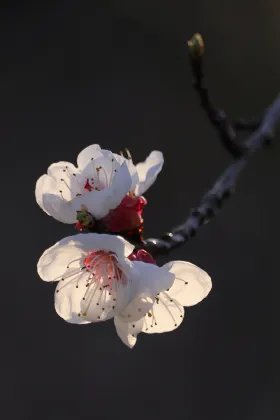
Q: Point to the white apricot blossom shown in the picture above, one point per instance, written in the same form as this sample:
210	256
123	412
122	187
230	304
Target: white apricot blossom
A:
190	286
148	171
97	281
99	183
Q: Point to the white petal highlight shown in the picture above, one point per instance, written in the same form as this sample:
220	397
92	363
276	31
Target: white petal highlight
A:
54	262
51	200
191	285
166	315
152	279
120	186
68	302
99	203
91	152
70	252
148	171
102	241
137	308
128	331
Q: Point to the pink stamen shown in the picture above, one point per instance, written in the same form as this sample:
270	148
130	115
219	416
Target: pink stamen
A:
104	266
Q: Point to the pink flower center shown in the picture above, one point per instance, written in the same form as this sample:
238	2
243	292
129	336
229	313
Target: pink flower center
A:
105	268
88	186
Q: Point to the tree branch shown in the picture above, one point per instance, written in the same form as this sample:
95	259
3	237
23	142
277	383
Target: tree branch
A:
227	130
222	189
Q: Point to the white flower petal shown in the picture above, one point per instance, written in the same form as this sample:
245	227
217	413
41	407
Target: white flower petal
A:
54	262
67	180
148	171
94	241
151	278
128	331
59	209
49	198
94	201
120	186
102	170
102	303
44	183
136	309
68	302
191	285
61	169
85	156
166	315
131	167
99	203
133	173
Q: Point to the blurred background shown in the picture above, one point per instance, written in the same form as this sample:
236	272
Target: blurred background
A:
117	73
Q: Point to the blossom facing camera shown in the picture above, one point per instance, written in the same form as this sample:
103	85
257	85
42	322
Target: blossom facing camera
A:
97	281
104	186
190	286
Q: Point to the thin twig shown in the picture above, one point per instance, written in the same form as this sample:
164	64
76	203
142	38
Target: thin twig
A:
227	129
222	189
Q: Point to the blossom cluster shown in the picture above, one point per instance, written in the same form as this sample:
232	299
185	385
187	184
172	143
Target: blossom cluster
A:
99	273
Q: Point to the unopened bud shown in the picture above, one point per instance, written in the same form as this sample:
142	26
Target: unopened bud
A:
196	46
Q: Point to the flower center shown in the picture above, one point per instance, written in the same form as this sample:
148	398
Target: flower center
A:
75	184
104	267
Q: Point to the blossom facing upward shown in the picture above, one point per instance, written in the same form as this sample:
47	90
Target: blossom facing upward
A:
105	186
97	281
99	183
190	286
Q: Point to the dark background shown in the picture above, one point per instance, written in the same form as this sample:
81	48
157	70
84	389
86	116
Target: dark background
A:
116	73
